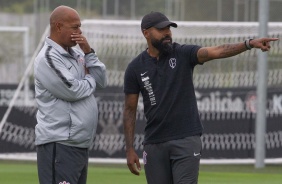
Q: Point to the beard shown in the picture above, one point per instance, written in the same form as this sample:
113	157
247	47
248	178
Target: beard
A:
165	48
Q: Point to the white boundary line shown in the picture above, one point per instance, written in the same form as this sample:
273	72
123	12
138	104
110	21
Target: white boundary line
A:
32	157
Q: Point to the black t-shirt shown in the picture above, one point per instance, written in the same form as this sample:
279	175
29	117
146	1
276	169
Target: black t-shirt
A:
167	88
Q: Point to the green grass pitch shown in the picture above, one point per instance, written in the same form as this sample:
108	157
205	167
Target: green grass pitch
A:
26	173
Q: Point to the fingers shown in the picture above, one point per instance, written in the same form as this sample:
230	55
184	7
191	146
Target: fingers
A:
134	168
138	165
81	41
265	46
78	38
264	43
134	165
273	39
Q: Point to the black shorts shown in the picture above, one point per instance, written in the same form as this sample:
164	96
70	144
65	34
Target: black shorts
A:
173	162
59	164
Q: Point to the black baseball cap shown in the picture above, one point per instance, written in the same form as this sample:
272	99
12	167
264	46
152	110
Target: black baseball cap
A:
157	20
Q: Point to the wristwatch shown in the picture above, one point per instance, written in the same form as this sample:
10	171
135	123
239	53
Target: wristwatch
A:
91	51
247	44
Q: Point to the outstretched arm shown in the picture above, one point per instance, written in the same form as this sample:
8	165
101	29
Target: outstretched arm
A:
227	50
129	117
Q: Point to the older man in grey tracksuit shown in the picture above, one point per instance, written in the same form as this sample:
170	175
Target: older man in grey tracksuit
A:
67	117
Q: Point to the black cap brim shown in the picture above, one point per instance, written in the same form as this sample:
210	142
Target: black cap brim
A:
165	24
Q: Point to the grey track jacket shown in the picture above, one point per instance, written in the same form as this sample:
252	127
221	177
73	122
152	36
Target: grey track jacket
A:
67	109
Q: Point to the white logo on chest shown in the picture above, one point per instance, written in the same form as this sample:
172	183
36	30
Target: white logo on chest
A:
143	73
172	62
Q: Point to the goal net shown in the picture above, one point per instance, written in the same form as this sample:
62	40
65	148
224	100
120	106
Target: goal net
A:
14	44
225	89
118	42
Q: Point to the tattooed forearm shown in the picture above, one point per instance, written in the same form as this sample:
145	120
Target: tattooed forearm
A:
228	50
129	117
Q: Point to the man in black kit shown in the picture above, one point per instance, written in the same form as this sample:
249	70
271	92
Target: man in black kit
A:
163	74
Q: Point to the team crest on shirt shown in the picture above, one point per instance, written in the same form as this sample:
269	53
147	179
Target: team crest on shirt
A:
172	62
81	60
64	182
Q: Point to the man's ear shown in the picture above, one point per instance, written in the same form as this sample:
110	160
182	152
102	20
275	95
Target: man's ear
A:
58	26
145	33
